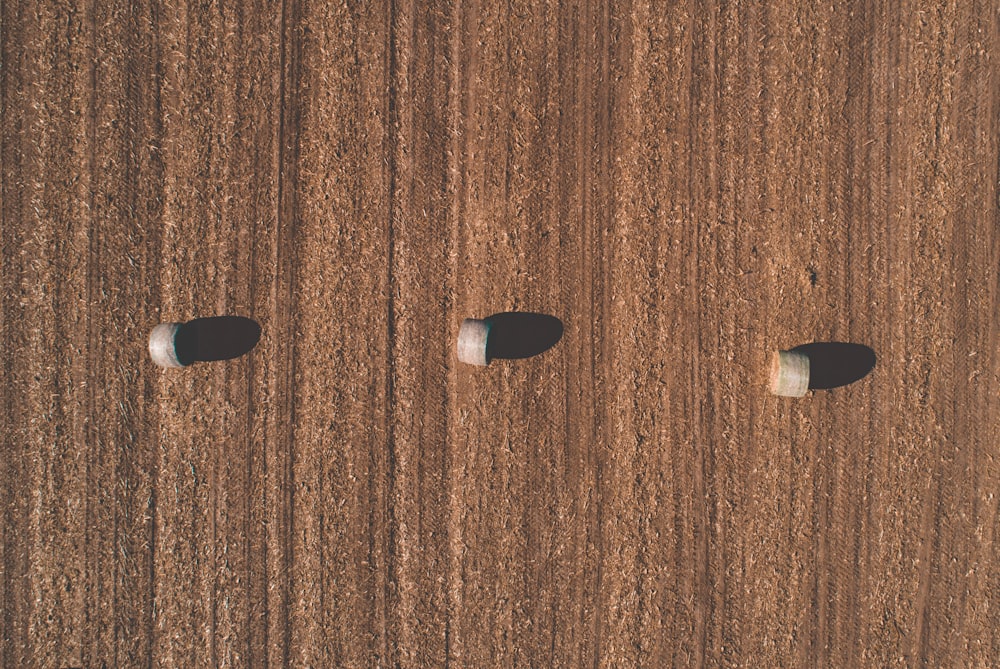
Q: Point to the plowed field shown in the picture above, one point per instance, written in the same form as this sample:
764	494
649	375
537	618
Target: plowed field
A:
687	186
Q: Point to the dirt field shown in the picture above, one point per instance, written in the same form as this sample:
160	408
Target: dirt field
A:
687	186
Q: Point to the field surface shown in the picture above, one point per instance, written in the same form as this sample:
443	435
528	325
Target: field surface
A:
687	186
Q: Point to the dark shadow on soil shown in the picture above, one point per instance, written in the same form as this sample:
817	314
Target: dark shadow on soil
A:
833	364
215	338
519	334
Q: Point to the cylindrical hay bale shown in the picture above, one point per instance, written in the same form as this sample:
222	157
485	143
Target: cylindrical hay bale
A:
472	339
789	373
161	345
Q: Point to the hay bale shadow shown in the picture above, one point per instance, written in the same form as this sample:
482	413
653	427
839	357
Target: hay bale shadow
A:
833	364
216	338
515	335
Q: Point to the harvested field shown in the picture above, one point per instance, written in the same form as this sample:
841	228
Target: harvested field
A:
686	187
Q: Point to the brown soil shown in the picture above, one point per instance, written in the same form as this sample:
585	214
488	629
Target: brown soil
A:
688	188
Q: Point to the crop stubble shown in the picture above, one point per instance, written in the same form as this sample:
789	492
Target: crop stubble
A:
687	187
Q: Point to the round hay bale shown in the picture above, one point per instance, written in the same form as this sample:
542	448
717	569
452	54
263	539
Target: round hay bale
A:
473	338
789	374
162	347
